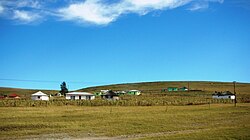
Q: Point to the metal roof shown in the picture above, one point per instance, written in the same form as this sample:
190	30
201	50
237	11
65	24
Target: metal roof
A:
39	93
80	93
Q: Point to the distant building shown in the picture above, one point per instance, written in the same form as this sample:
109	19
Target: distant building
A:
58	94
40	96
172	88
183	89
120	92
134	92
80	96
223	95
14	96
102	92
105	91
175	89
97	93
110	95
3	96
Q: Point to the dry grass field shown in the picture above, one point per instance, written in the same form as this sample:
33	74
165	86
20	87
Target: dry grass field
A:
153	115
217	121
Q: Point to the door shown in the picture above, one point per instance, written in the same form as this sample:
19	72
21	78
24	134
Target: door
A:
88	97
72	97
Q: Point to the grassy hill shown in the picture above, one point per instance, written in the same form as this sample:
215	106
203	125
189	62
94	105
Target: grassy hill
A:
170	115
147	87
23	92
156	87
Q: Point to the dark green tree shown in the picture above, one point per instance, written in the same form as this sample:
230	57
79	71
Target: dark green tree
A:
64	88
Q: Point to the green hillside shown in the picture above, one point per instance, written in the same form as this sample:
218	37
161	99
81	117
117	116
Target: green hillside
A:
147	87
156	87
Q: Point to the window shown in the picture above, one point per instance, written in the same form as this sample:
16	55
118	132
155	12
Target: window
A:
72	97
88	97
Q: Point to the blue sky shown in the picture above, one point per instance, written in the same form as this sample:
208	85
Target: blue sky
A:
100	42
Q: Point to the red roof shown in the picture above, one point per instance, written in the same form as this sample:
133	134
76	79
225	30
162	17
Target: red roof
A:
13	95
2	97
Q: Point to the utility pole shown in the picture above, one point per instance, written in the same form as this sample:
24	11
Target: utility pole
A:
235	100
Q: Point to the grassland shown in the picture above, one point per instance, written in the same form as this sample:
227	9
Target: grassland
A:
217	121
147	87
153	115
130	100
156	87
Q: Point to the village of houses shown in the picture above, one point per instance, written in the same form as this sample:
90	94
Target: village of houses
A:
111	95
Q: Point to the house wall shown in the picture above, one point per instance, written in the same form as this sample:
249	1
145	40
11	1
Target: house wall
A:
137	93
83	97
46	98
67	96
110	97
173	89
134	92
87	97
232	97
183	89
116	98
224	97
92	97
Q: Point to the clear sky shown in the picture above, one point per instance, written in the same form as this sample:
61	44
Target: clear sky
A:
98	42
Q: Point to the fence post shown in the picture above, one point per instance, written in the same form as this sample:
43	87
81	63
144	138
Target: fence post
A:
235	100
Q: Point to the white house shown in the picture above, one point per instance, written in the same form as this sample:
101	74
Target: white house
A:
39	96
134	92
224	95
110	95
80	96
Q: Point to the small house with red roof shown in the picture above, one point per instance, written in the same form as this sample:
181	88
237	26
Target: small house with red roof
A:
14	96
2	97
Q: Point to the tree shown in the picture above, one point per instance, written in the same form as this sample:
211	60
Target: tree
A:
64	89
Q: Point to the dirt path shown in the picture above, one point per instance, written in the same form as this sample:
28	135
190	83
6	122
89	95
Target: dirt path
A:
64	136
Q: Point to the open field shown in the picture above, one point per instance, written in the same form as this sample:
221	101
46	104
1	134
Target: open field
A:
217	121
153	115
